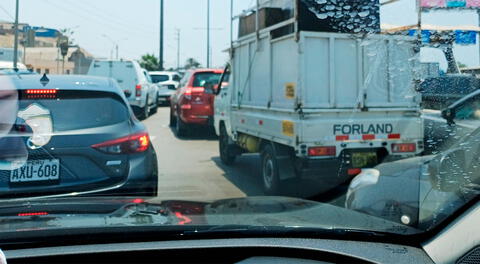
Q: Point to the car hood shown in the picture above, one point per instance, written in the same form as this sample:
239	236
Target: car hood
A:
84	213
401	168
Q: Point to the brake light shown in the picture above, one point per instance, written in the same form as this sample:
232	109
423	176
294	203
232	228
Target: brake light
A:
354	172
406	147
42	91
41	94
135	143
322	151
32	214
196	90
138	90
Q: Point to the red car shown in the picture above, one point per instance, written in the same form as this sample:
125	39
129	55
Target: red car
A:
192	104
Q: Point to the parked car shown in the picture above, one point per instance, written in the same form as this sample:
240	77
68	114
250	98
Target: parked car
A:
433	187
444	128
80	137
192	103
136	83
440	92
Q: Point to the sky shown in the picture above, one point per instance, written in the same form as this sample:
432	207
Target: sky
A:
134	25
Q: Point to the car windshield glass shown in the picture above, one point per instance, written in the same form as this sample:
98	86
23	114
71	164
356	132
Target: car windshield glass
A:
159	78
200	79
352	115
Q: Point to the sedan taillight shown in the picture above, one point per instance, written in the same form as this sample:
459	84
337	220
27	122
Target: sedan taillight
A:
135	143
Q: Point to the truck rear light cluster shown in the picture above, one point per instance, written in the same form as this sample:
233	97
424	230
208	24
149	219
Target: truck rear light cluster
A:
404	147
138	90
135	143
322	151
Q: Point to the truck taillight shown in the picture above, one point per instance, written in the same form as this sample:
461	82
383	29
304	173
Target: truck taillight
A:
135	143
404	147
138	90
322	151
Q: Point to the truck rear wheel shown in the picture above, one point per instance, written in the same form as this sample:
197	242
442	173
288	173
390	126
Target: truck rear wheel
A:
270	171
225	148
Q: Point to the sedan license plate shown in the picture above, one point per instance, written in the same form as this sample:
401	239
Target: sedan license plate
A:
365	159
37	171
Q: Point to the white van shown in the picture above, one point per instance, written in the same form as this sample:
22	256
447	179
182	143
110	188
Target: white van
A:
136	83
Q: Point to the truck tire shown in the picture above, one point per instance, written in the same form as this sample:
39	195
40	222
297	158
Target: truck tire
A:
144	111
225	148
270	171
181	128
155	107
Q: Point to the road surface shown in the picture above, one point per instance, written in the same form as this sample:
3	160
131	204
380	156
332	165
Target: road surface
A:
190	168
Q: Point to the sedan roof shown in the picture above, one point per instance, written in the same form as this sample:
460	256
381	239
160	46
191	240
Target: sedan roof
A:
67	82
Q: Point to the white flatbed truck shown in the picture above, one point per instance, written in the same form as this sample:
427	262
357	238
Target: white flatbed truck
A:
319	105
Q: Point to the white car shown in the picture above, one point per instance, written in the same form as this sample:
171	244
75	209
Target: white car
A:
136	83
8	65
165	77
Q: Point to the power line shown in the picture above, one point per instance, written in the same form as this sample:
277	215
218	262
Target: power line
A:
8	14
91	10
102	20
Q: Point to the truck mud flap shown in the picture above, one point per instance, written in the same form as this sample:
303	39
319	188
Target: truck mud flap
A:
285	161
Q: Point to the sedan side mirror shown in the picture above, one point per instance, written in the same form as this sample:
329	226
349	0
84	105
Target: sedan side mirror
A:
449	115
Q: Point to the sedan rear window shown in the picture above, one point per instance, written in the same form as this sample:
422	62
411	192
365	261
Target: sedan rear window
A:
206	77
72	110
160	78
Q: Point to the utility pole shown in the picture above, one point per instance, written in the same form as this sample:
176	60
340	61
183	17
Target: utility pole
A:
15	45
160	63
208	33
178	49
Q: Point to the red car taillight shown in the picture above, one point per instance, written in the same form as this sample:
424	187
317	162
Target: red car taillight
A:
401	148
322	151
190	91
135	143
138	90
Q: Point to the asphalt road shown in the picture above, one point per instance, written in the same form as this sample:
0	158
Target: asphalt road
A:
190	167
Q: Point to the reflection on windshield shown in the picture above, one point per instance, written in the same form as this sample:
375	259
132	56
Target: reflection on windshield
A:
13	152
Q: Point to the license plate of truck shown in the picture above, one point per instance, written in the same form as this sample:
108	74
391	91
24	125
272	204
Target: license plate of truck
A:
36	171
364	159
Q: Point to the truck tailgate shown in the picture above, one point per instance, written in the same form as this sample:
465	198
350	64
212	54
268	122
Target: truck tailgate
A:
339	71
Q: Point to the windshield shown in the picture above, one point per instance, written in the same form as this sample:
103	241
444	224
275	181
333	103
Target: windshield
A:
159	78
290	113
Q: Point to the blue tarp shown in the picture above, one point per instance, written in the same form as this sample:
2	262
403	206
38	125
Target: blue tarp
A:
461	37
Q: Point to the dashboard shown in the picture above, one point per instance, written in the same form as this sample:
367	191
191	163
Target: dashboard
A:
239	250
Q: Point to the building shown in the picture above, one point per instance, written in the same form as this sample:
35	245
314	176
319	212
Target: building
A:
38	49
49	60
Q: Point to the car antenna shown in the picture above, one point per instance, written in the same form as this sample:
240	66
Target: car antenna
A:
44	80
